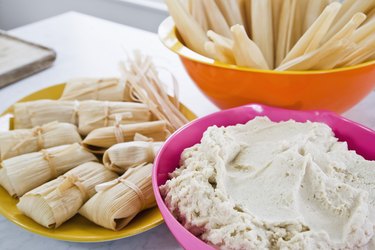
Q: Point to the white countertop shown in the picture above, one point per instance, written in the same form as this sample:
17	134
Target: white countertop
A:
88	46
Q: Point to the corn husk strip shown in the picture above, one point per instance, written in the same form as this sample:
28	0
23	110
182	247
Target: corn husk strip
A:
216	19
286	24
262	31
349	28
364	51
248	20
98	114
99	140
363	32
313	11
355	7
219	53
123	156
37	113
149	89
187	26
118	202
101	89
311	59
276	16
370	15
57	201
242	5
225	43
314	35
331	61
231	11
197	10
25	172
298	25
245	51
23	141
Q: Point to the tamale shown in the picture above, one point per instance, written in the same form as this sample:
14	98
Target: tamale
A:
36	113
23	141
21	174
59	200
102	89
117	202
99	114
123	156
99	140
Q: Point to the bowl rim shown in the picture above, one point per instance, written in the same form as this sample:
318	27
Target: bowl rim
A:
168	34
260	108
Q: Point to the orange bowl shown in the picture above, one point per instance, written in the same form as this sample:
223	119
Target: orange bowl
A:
229	85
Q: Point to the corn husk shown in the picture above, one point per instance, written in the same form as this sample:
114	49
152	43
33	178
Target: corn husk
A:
187	26
262	28
101	89
148	88
119	201
37	113
315	34
98	114
216	19
99	140
23	173
23	141
57	201
123	156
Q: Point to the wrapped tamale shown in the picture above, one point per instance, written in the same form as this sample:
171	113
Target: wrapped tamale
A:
117	202
59	200
99	114
99	140
23	173
37	113
23	141
123	156
102	89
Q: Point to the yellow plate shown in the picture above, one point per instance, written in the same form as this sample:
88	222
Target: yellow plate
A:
77	229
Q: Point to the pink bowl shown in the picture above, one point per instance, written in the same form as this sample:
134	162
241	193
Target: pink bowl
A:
358	137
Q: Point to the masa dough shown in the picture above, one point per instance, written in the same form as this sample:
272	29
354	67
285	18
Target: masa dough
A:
266	185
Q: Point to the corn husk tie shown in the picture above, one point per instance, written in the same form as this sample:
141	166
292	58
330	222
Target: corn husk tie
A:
101	89
99	140
119	201
23	141
21	174
121	157
57	201
98	114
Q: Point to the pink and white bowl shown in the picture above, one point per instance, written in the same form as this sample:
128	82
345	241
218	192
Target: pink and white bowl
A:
358	137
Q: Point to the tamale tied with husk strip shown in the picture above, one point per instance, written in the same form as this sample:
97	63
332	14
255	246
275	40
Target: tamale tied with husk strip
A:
23	173
99	140
123	156
37	113
117	202
98	114
23	141
59	200
102	89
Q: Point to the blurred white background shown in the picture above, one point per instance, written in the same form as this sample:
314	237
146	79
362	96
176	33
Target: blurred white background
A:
144	14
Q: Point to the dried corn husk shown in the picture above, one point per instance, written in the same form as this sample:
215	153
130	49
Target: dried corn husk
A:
21	174
23	141
119	201
36	113
123	156
57	201
98	114
102	89
147	88
99	140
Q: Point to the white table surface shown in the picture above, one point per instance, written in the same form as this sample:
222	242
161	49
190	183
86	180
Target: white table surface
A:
88	46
